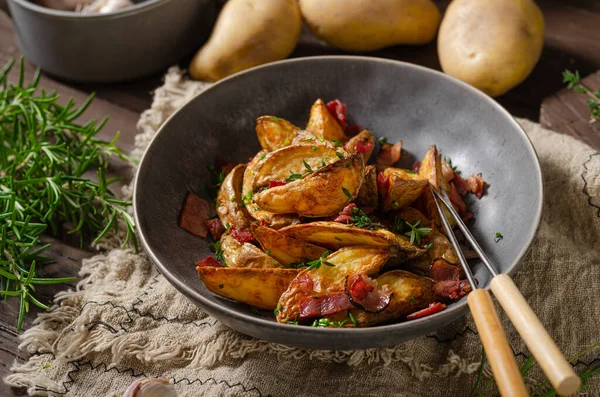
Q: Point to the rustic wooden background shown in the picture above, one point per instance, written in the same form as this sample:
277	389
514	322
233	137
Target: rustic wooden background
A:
572	41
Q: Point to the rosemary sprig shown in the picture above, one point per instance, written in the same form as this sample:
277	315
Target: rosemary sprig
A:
573	81
43	190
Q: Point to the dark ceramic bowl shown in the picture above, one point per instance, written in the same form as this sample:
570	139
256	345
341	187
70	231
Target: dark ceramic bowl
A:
123	45
392	99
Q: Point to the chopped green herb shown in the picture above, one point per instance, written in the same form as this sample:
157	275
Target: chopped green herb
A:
498	237
382	140
256	208
410	171
268	252
286	142
336	143
325	322
217	205
323	164
449	161
275	119
46	366
295	322
347	193
340	156
413	299
314	148
320	139
337	238
277	309
232	198
227	226
395	203
266	217
293	177
429	246
306	166
254	310
221	286
316	263
352	319
593	97
364	221
262	156
216	248
275	262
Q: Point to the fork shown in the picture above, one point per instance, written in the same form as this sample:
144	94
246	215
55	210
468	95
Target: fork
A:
500	355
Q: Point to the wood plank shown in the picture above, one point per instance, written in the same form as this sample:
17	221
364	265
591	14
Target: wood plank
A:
567	111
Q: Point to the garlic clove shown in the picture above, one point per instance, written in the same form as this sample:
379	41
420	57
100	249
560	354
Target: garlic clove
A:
150	387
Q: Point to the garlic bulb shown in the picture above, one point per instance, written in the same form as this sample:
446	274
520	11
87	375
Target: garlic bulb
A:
150	387
105	6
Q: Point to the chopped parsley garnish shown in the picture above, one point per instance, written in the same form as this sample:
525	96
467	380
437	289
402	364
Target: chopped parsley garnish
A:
268	252
217	205
413	299
232	198
337	238
325	322
429	246
307	166
262	156
498	237
410	171
340	156
275	119
323	164
221	286
352	319
320	139
449	161
216	248
286	142
294	322
347	193
277	309
382	140
314	148
293	177
395	203
336	143
307	140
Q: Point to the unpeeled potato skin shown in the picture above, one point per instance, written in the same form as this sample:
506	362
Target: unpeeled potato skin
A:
248	33
366	25
492	45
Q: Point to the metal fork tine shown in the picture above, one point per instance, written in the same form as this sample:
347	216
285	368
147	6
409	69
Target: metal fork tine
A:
461	225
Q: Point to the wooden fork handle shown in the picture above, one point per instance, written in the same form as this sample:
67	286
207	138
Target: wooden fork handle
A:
551	360
497	349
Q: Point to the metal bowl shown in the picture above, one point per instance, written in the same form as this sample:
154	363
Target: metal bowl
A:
128	44
392	99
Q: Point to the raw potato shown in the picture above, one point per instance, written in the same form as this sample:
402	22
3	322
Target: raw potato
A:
365	137
359	25
248	33
276	221
492	45
274	132
259	288
323	124
323	193
286	250
238	254
410	294
229	199
280	164
325	279
367	195
405	188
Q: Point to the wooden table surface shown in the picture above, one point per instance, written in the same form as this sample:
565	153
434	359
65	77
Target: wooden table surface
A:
572	41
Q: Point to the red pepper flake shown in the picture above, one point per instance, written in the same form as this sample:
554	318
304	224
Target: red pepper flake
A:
432	309
363	147
241	234
209	261
276	182
338	110
383	185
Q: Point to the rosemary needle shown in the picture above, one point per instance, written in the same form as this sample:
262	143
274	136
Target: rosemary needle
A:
44	154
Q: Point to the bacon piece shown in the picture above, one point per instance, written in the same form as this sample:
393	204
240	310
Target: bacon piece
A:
363	147
458	202
389	154
474	184
343	219
215	228
383	185
447	171
195	211
353	130
433	308
345	215
241	234
276	182
209	261
416	166
324	305
441	270
306	284
338	110
452	289
362	293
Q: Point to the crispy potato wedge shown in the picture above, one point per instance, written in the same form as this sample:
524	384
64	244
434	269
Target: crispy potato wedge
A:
276	221
364	138
292	160
326	279
441	246
405	188
237	254
230	208
367	195
411	293
285	249
274	133
323	124
259	288
323	193
431	169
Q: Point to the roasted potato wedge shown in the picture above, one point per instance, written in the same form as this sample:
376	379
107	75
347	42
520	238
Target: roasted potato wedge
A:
298	160
367	195
361	142
323	124
411	293
259	288
323	193
441	246
276	221
285	249
405	187
325	279
431	169
230	208
274	133
238	254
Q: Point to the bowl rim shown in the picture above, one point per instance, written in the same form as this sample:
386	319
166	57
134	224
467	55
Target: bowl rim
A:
443	318
72	15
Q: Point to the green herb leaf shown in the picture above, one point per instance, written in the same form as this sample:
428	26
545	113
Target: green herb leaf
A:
277	309
498	237
293	177
340	156
347	193
307	166
352	319
382	140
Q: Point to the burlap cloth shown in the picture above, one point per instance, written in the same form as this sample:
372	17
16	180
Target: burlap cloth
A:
125	321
